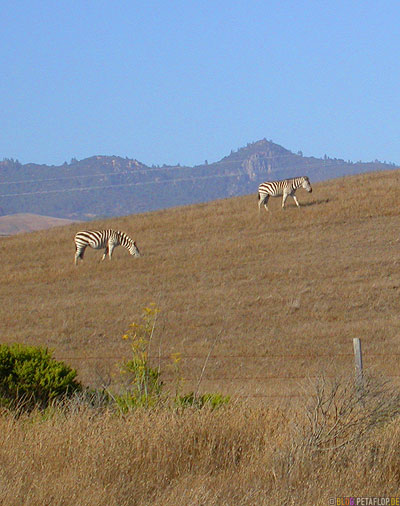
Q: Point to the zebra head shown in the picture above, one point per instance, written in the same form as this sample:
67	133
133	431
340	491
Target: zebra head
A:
134	250
306	184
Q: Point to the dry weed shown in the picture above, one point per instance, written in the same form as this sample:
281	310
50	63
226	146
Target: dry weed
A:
236	455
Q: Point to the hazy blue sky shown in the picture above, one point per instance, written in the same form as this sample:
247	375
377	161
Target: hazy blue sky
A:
184	81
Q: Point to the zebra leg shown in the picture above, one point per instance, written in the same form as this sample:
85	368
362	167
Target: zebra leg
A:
105	253
295	199
285	196
263	202
79	253
110	250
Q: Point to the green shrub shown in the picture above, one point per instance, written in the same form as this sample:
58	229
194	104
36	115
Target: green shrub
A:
200	401
132	400
30	376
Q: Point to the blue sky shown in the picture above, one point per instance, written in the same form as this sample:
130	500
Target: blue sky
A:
184	81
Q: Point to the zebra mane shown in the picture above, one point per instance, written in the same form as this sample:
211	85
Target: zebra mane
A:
122	236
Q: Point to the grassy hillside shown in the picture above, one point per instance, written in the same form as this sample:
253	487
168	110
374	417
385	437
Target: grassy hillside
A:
25	222
276	298
280	295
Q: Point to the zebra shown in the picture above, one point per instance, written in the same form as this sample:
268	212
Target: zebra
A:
99	239
283	188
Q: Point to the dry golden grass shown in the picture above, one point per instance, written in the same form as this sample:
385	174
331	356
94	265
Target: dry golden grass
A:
237	455
26	222
285	293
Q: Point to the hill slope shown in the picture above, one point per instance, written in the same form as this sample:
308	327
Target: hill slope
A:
19	223
113	186
281	295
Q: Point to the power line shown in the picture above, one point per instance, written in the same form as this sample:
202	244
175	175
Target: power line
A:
100	174
120	185
88	188
63	178
148	169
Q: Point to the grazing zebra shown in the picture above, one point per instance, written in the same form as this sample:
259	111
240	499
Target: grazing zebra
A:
283	188
99	239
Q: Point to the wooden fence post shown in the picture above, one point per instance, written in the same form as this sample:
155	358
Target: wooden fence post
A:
358	362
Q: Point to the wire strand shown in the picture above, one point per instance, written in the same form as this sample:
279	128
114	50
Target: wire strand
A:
148	169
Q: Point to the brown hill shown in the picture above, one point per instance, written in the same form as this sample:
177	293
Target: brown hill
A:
281	294
25	222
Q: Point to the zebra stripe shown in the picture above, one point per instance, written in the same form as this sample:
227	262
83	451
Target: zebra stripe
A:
99	239
283	188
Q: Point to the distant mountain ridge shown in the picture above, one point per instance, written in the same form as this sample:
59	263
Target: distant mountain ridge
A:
114	186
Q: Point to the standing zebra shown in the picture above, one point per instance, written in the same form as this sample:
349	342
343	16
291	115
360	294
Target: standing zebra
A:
99	239
285	187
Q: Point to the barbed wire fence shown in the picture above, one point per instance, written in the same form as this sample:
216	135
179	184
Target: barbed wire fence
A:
352	361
